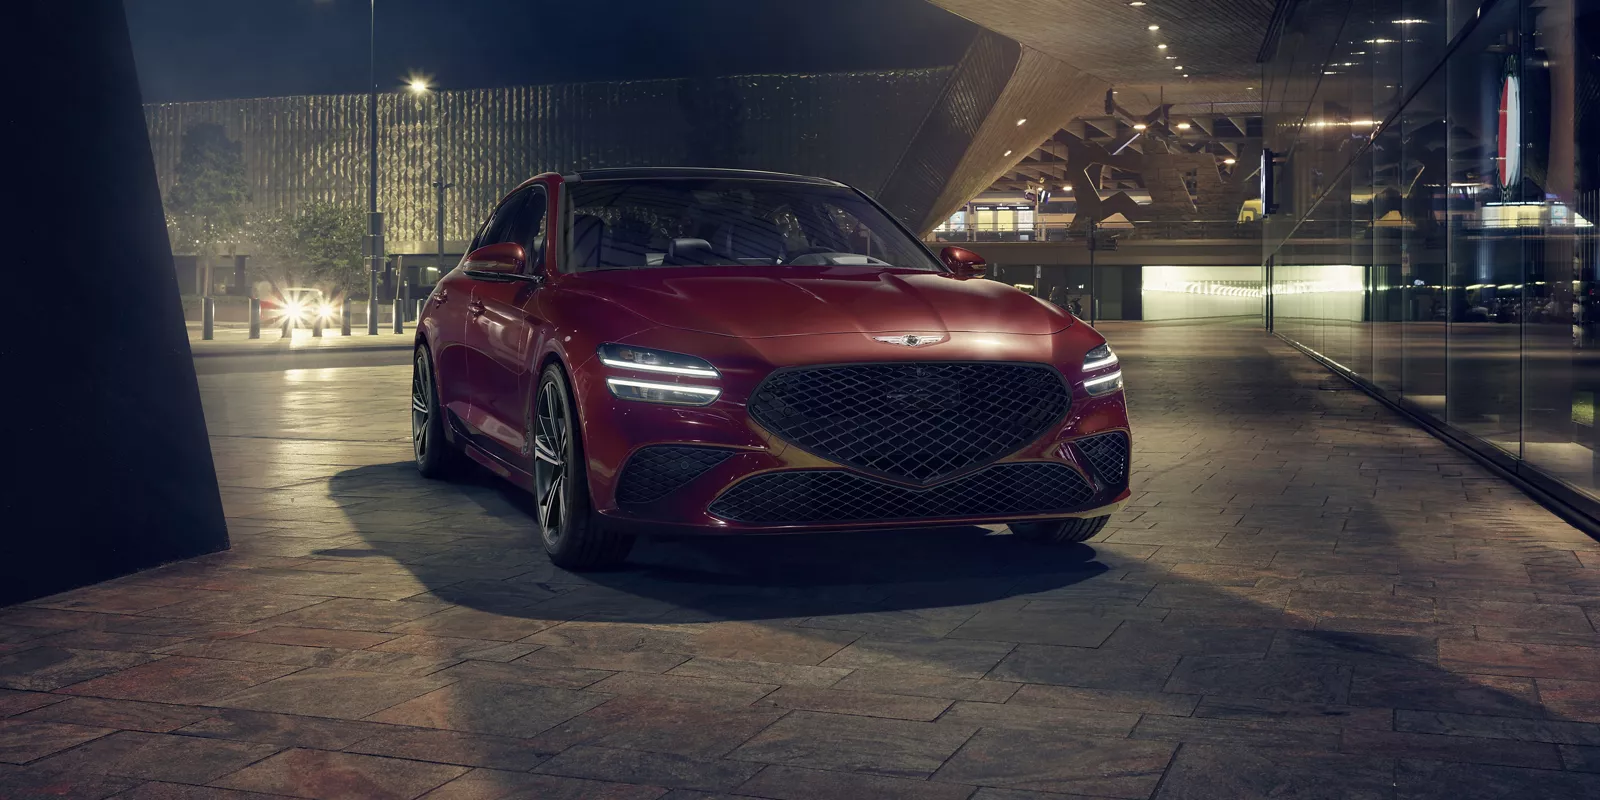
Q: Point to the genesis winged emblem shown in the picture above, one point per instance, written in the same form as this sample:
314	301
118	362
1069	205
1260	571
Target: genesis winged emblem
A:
912	339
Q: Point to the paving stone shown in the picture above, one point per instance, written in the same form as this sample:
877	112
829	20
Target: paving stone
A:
856	744
22	741
555	677
1580	759
924	685
484	784
319	637
760	672
14	702
282	729
964	659
1246	733
499	709
1533	730
344	694
356	614
657	769
680	687
42	782
1404	744
1297	716
1437	690
1187	640
1201	772
1130	670
601	659
1298	680
1105	700
180	680
160	757
475	624
452	747
794	783
48	668
236	606
867	704
1055	762
120	714
660	725
321	774
1514	658
451	647
1040	718
1417	779
1574	700
162	790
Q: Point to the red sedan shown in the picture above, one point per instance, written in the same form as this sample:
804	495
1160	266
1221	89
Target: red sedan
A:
731	352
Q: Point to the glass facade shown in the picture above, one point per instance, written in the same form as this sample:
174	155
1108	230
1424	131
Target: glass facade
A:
1438	181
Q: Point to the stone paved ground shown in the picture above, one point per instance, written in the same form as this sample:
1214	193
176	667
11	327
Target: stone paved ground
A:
1307	599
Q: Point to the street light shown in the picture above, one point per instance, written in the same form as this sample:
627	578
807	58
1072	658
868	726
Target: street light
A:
420	85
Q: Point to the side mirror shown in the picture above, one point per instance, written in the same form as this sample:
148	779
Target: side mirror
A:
503	262
963	263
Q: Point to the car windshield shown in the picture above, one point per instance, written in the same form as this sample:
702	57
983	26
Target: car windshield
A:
674	222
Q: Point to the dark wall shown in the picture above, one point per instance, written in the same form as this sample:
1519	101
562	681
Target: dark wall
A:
108	465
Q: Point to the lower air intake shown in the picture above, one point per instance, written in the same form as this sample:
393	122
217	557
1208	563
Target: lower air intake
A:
834	496
657	471
1108	456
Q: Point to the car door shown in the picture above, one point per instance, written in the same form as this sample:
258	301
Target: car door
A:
445	317
501	329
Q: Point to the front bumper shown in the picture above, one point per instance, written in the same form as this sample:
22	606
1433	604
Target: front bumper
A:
616	431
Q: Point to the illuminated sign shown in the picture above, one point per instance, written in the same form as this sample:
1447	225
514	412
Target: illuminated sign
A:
1508	155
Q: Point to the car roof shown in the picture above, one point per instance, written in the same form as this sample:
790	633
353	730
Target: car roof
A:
636	173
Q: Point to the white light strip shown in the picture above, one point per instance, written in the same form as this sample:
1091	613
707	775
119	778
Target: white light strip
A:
695	371
1103	379
703	391
1104	362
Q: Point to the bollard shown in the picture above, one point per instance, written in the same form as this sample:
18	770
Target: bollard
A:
316	326
255	318
208	319
399	316
419	304
288	326
344	317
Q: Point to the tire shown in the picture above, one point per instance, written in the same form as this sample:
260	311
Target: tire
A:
574	536
1060	531
436	458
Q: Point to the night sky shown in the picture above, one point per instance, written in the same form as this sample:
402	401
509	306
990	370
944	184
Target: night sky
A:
213	49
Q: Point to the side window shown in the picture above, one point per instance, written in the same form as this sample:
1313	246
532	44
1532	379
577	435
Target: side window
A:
500	224
528	226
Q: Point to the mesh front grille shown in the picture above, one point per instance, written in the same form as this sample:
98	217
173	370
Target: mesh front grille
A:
1108	454
655	472
827	496
915	422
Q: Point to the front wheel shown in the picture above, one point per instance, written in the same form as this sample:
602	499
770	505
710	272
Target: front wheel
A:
1060	531
434	456
574	536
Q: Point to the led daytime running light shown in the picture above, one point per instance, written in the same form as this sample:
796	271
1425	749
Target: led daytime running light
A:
692	371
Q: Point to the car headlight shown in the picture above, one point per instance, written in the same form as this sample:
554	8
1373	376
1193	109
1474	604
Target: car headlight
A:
679	394
663	363
1099	357
660	361
1103	385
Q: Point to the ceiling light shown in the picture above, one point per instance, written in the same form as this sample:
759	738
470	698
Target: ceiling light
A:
1153	28
1161	47
1136	3
1180	66
1006	153
1230	160
1185	74
1066	188
1409	21
1172	58
1183	126
1138	126
1020	121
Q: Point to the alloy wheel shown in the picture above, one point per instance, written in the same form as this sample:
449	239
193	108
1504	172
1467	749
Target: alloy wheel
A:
550	451
421	406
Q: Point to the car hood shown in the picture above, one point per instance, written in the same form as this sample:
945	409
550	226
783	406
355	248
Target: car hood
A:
758	302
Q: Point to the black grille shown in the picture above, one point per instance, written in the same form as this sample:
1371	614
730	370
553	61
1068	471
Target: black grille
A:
655	472
1108	454
915	422
821	496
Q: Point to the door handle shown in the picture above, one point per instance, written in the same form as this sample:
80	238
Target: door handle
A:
474	308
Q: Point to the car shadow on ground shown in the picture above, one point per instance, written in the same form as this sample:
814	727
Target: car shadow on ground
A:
719	577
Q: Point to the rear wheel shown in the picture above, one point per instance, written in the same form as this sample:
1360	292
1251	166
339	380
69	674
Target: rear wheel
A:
574	536
435	457
1060	531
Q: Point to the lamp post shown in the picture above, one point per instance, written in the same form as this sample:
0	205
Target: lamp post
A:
374	220
421	86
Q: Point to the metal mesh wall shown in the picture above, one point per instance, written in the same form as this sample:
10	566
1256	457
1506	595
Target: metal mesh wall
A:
847	126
